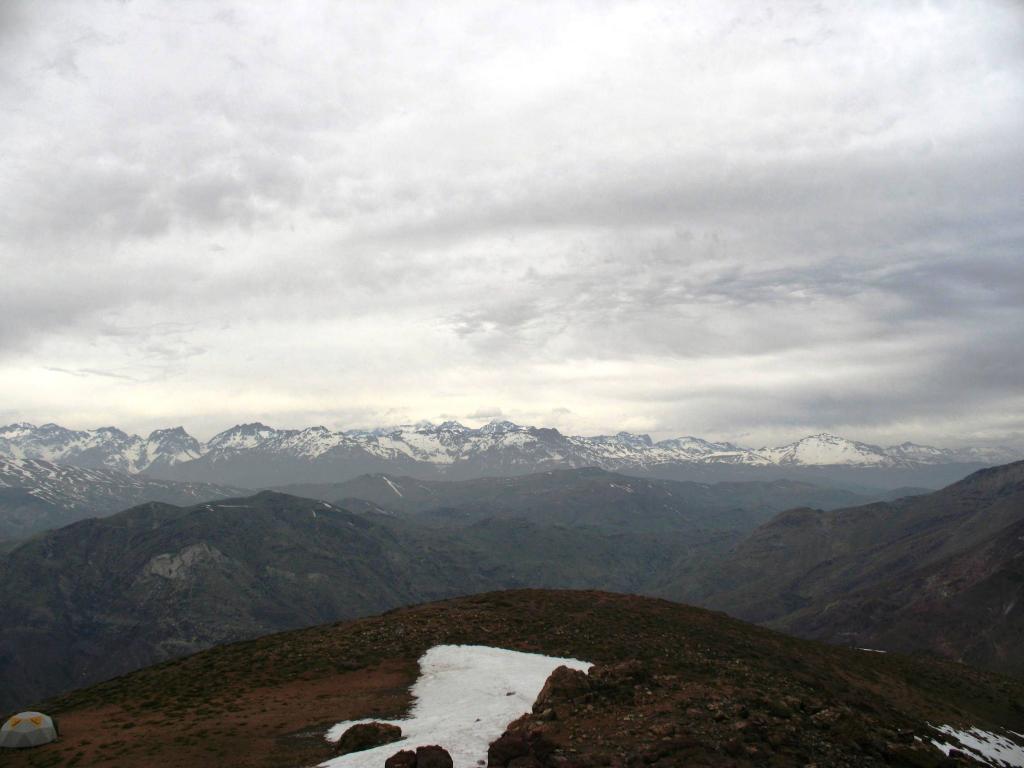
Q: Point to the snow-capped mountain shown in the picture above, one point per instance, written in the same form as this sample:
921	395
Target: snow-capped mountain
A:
256	455
830	450
37	494
106	447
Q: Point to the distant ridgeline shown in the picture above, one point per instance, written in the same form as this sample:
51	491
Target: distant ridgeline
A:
257	456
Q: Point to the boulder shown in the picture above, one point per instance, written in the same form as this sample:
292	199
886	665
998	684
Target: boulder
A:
626	673
367	736
507	748
527	761
564	684
404	759
433	757
519	749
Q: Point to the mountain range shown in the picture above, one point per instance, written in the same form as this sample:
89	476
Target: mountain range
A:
258	456
104	596
587	497
36	495
107	595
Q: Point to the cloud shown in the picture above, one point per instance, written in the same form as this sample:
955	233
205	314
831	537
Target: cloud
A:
486	413
90	372
726	219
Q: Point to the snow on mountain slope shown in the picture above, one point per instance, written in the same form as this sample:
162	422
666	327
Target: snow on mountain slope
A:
829	450
981	746
500	447
244	437
106	447
37	494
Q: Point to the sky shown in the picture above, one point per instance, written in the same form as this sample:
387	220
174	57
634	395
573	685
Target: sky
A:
737	220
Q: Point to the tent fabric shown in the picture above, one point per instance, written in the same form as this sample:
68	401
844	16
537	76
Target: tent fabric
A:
27	729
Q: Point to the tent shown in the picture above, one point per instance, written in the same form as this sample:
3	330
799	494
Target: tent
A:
27	729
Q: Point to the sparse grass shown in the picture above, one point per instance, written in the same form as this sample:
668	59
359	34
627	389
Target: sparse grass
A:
714	658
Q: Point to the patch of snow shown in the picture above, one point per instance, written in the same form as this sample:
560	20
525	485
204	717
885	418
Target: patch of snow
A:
871	650
984	746
465	697
393	486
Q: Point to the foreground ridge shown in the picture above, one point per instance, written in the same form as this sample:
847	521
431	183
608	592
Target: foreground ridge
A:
673	685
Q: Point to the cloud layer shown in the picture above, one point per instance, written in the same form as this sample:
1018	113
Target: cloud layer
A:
737	221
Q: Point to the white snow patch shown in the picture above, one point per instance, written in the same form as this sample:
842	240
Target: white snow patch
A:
871	650
984	746
465	697
393	486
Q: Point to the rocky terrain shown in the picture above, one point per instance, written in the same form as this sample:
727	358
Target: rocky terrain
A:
36	495
671	686
258	456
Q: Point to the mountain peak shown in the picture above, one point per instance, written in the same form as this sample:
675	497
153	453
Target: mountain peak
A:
824	437
496	426
499	447
255	426
451	426
169	432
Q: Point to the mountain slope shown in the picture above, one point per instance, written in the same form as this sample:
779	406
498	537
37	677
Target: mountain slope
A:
794	570
36	495
673	685
968	607
582	497
104	596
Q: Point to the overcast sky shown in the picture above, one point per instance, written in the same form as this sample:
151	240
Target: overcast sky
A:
723	219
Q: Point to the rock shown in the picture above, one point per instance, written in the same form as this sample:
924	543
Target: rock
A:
513	746
661	730
433	756
507	748
625	673
367	736
404	759
527	761
564	684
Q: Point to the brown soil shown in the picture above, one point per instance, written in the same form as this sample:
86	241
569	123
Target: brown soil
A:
713	691
278	727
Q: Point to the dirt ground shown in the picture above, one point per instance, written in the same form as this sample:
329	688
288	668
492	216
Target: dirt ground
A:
280	727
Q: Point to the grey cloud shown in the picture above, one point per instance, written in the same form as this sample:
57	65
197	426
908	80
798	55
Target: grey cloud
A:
486	413
423	212
91	372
